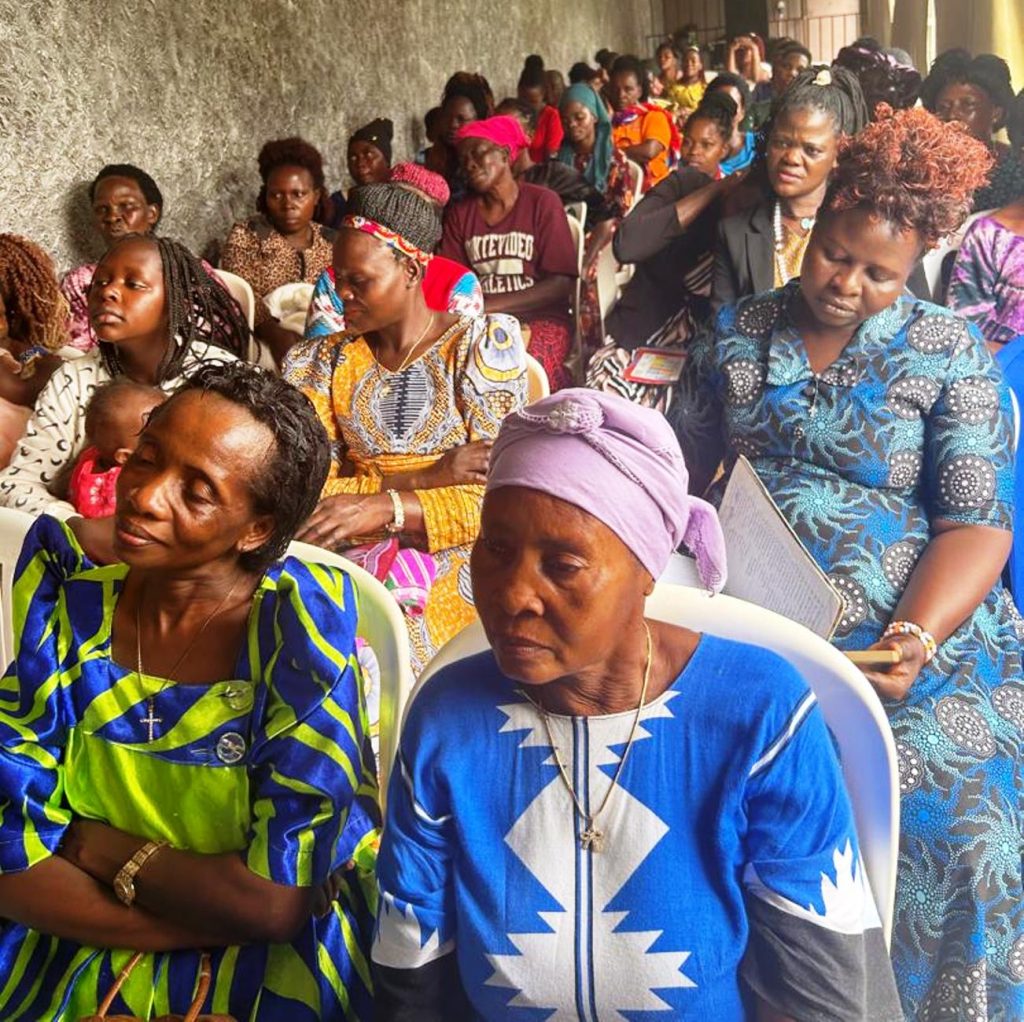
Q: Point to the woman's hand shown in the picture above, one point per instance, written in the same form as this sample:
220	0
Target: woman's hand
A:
96	537
599	239
467	463
98	849
895	682
341	518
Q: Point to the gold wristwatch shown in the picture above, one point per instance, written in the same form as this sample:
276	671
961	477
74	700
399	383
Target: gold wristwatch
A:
124	882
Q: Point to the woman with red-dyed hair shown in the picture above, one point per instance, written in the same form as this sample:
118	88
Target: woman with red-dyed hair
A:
884	432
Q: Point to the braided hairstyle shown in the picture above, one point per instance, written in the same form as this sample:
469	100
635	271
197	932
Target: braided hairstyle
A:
150	192
30	295
198	310
401	210
292	152
532	75
719	108
912	170
628	64
472	87
834	91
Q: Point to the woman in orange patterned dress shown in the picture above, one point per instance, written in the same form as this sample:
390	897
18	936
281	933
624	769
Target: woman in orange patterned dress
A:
410	399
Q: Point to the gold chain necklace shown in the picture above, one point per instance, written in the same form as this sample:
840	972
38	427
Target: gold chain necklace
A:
591	838
151	720
386	389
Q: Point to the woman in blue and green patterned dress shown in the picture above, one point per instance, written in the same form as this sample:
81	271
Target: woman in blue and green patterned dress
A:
184	767
882	428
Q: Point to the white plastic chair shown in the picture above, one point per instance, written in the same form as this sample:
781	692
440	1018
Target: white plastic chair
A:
638	179
13	527
537	385
578	239
382	626
938	262
241	291
851	709
607	284
577	210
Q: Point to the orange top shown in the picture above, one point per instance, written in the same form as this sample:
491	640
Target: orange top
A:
653	125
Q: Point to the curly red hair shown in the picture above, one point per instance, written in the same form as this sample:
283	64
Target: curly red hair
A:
911	169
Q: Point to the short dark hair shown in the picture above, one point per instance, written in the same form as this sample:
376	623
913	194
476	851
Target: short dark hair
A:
288	486
726	78
150	192
988	72
628	64
292	152
106	396
582	72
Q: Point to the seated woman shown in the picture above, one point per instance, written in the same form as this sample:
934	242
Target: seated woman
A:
669	236
150	331
646	133
547	125
763	246
589	151
516	238
447	286
987	285
883	430
977	93
743	144
467	97
182	755
745	58
638	846
369	162
410	399
124	200
286	241
788	60
690	88
33	327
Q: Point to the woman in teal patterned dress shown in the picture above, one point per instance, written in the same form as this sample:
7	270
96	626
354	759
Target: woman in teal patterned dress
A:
196	708
883	430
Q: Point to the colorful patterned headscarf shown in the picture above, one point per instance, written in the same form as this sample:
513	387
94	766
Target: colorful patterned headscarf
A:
601	159
390	238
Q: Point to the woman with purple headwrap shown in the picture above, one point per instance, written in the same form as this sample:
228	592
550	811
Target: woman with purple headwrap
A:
604	816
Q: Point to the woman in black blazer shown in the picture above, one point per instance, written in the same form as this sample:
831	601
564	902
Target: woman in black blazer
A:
761	247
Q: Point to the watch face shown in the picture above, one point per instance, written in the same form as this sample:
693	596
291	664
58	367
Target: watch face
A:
124	889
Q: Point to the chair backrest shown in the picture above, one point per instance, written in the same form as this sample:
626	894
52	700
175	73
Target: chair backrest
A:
577	210
578	233
241	291
937	263
381	624
607	284
13	527
637	174
537	385
849	704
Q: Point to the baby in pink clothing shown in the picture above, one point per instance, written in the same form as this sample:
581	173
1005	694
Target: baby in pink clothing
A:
114	419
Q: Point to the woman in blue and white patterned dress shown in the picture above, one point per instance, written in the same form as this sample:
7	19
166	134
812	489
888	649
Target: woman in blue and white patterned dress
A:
883	430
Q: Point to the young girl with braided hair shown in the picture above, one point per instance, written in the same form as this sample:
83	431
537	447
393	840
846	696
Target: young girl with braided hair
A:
33	326
883	430
157	314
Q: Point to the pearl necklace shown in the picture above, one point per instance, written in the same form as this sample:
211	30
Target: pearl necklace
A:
806	223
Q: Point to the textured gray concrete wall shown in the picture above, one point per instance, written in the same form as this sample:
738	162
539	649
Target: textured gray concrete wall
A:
189	90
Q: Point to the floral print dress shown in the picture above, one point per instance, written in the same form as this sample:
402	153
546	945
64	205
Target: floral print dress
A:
912	423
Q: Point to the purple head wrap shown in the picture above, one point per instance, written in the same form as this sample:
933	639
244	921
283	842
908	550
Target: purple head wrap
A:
619	462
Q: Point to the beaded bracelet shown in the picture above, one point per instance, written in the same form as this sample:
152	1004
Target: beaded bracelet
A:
909	628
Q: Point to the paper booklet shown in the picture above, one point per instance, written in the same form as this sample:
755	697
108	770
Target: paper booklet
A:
768	565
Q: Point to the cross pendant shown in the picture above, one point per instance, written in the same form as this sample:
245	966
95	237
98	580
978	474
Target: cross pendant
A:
151	720
592	839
